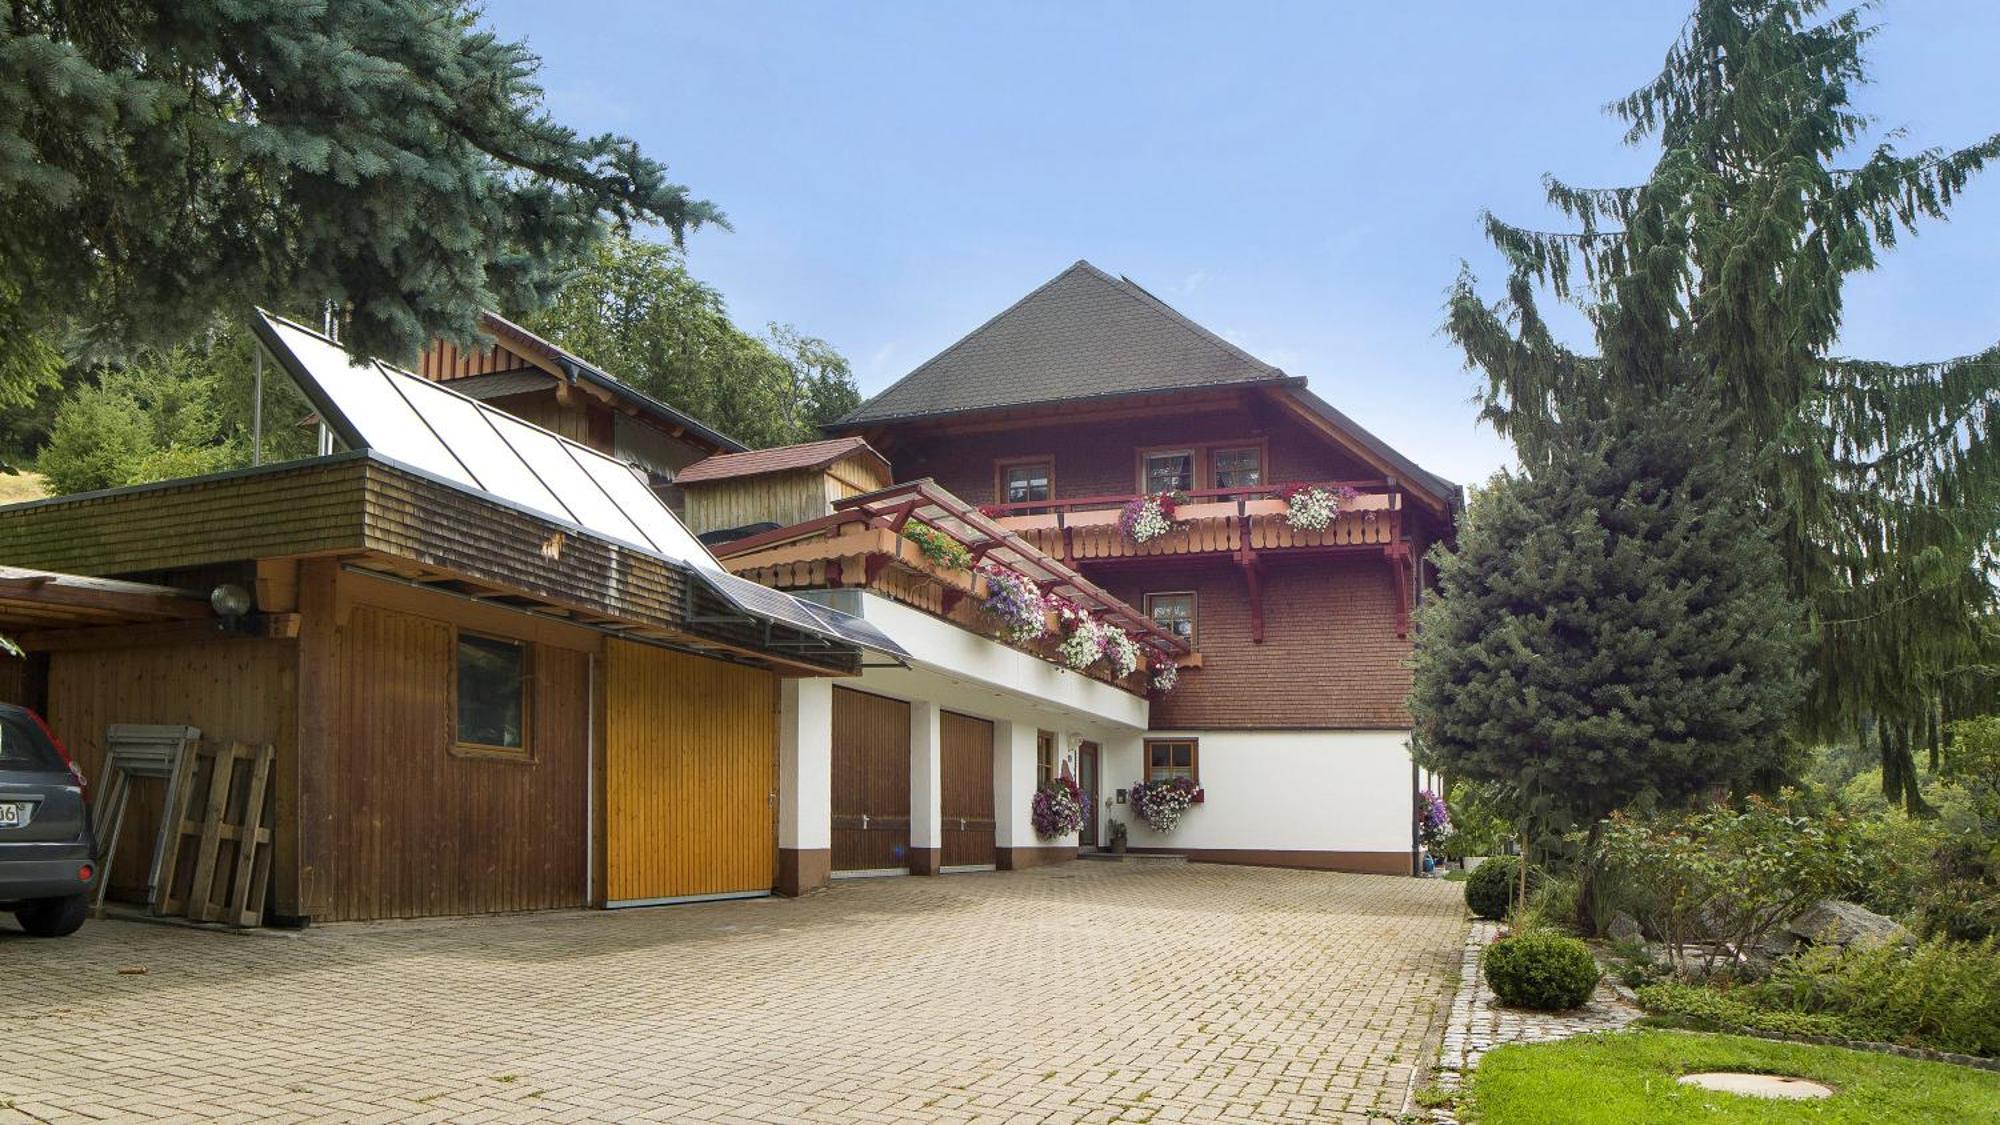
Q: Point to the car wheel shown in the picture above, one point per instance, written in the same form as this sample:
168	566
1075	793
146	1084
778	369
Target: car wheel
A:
53	917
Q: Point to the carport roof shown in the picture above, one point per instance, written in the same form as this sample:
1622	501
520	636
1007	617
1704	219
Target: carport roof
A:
47	599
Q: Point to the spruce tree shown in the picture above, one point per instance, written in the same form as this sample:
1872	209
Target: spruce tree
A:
1723	273
160	162
1612	627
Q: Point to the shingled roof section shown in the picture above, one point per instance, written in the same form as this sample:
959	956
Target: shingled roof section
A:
1084	334
784	458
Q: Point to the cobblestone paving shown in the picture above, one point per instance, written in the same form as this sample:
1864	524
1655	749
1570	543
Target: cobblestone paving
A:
1478	1024
1087	992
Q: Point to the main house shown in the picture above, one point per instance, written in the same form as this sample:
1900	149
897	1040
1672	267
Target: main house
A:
1089	394
500	671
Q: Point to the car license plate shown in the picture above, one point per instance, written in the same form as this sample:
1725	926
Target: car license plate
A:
13	814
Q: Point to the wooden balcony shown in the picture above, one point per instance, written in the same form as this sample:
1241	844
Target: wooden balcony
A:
1214	521
1243	525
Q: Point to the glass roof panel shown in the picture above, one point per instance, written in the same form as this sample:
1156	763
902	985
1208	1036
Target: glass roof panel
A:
498	467
550	459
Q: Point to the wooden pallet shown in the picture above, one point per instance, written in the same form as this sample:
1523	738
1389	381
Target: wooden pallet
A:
219	862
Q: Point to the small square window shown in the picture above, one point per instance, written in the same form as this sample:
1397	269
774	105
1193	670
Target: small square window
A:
492	693
1026	483
1239	468
1175	757
1174	613
1169	472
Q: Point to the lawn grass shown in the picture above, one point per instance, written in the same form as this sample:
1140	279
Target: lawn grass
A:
1630	1077
24	485
1456	876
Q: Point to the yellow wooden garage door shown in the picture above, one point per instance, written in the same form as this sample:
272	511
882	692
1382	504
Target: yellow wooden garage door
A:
691	776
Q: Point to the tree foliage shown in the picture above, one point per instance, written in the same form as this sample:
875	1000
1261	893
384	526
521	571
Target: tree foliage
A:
1612	627
178	412
635	311
162	162
1724	272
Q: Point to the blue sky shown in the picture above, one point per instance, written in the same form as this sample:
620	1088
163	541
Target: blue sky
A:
1303	178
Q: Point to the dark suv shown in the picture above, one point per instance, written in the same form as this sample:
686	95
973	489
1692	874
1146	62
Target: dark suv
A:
48	854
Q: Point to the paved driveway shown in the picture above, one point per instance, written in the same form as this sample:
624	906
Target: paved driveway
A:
1091	991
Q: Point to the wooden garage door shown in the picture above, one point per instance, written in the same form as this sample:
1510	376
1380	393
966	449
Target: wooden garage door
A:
690	777
871	782
966	747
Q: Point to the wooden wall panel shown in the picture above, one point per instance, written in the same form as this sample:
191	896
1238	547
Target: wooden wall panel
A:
415	829
780	498
966	752
691	775
871	777
233	690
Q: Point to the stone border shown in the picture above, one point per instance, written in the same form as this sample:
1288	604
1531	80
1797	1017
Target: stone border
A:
1478	1023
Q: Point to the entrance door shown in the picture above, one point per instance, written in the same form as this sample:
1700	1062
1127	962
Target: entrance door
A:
966	757
1086	780
871	782
690	776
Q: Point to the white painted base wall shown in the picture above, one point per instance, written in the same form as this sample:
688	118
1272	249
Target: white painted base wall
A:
1343	791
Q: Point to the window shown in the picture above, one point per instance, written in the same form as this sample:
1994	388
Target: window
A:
1241	467
1171	757
1026	482
1169	472
1174	613
492	694
1045	757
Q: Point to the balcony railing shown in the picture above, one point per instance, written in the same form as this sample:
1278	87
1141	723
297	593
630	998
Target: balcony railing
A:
1213	520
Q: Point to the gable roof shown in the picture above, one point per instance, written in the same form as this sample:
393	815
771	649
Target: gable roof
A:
784	458
1082	334
571	366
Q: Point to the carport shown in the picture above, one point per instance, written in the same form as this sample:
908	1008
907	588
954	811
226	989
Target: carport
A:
43	609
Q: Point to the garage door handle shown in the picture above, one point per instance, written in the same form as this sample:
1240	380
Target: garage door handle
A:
864	822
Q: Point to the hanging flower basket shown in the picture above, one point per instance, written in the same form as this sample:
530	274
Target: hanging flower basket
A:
1015	603
1165	677
1149	517
1057	808
1308	507
1122	650
1163	803
1084	637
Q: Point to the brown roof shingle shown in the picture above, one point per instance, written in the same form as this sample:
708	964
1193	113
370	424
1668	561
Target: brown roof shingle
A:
1082	334
784	458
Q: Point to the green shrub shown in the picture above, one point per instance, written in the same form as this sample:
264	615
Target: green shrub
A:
1942	994
1725	877
1547	972
1715	1009
1491	888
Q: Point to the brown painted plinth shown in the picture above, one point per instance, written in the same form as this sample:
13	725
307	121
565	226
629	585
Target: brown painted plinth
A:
1020	859
926	861
803	869
1362	863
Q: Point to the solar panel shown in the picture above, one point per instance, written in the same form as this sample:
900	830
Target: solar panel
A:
437	430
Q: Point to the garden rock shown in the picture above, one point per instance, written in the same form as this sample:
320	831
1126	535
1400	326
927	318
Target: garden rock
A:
1624	927
1845	924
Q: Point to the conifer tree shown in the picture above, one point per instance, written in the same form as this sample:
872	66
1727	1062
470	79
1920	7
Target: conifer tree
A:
1612	627
160	162
1723	272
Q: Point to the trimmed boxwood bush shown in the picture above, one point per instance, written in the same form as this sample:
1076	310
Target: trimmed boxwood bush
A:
1493	886
1543	971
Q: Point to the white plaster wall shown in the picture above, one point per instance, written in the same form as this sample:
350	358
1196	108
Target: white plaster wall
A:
805	763
1281	791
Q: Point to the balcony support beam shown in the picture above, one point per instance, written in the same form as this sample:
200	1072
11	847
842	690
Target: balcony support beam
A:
1398	554
1253	581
